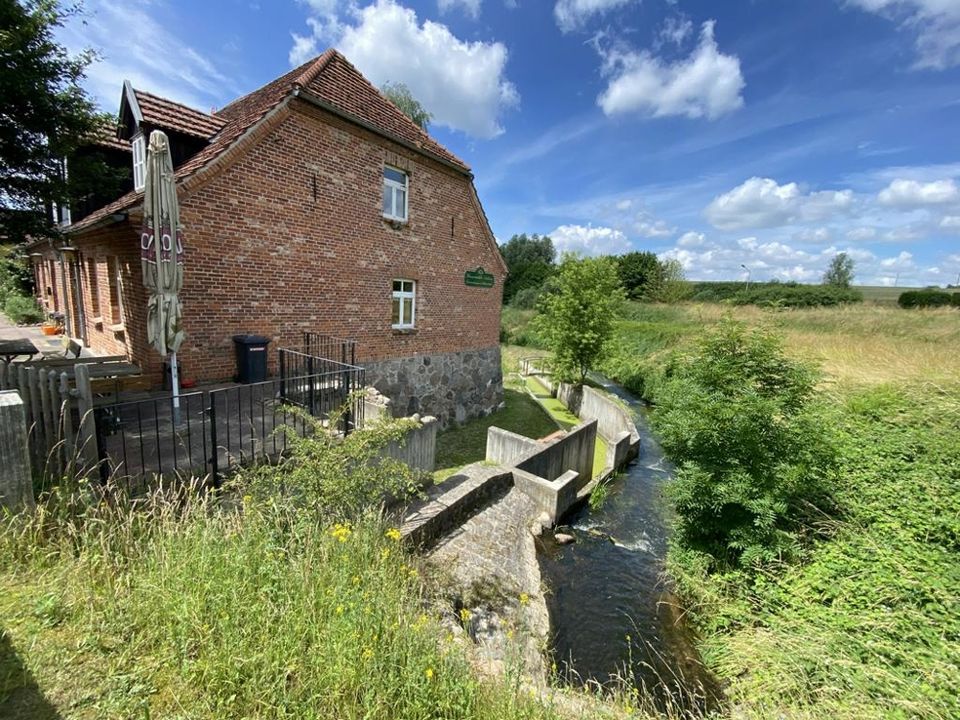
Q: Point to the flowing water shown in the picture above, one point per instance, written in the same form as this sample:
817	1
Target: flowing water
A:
611	612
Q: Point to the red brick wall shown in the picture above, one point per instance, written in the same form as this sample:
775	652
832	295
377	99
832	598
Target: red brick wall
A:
101	252
268	254
265	257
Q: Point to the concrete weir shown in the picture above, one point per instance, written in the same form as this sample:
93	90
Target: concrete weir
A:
479	526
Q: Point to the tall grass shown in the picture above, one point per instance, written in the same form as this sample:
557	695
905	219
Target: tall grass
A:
188	609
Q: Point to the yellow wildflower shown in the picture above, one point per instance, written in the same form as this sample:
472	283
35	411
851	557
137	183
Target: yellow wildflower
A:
393	534
367	654
339	610
464	614
341	531
429	673
524	598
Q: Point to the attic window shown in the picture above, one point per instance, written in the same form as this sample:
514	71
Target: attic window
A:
139	161
395	184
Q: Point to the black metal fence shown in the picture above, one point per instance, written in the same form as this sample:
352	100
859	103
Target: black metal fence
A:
333	348
218	430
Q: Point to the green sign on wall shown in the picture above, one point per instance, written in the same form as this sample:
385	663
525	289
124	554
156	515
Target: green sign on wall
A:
478	278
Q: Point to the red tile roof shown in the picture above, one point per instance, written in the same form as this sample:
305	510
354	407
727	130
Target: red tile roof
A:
341	85
329	77
174	116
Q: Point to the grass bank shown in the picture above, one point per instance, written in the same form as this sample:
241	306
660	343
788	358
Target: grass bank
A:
866	623
187	610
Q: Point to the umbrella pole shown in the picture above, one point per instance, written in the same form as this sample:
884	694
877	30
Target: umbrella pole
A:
175	384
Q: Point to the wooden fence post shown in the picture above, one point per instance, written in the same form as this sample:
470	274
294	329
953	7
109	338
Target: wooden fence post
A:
34	425
66	423
16	481
87	434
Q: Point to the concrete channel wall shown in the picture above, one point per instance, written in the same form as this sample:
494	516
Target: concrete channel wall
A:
418	449
552	472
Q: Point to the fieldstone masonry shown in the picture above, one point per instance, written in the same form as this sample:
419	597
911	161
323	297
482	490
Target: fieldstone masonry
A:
454	387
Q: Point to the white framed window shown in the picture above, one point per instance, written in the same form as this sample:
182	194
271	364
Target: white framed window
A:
404	304
395	191
139	147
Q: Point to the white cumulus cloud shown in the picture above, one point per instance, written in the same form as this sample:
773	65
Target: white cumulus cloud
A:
692	239
950	222
572	14
861	233
762	202
470	7
935	23
462	83
913	194
707	84
589	240
818	235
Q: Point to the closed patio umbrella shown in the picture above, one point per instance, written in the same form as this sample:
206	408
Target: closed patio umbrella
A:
161	257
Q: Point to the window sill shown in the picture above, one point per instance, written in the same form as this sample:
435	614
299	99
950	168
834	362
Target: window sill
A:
117	328
396	223
404	331
98	321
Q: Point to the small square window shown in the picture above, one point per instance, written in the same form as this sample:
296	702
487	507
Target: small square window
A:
395	187
404	304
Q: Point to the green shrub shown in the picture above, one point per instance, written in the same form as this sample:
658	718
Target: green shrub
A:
955	300
22	310
735	416
796	296
929	297
526	299
775	294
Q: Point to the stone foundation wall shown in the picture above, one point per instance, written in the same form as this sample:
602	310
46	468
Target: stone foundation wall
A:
453	387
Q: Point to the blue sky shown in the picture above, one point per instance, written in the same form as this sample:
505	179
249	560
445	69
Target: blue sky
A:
765	133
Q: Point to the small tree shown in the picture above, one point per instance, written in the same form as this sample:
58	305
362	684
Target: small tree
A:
576	317
673	284
530	262
840	272
641	275
735	417
399	94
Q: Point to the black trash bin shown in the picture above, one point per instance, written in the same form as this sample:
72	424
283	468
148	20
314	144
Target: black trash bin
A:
251	358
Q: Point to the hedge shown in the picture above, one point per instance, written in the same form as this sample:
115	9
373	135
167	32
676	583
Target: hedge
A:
930	297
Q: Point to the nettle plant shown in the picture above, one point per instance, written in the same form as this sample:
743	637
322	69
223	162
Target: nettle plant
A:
736	416
337	477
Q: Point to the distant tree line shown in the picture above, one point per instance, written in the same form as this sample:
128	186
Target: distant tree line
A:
532	261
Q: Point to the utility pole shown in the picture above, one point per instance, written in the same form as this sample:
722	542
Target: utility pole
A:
747	284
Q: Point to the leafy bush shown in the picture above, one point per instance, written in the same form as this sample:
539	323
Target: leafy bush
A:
775	294
930	297
735	416
337	478
955	300
22	310
526	299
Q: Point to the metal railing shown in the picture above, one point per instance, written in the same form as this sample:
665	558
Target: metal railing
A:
332	348
138	441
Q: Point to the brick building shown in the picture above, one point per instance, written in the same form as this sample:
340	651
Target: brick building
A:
313	204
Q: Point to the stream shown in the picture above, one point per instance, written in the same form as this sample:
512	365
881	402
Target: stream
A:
611	613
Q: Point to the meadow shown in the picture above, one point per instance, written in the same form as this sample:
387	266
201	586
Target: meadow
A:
865	622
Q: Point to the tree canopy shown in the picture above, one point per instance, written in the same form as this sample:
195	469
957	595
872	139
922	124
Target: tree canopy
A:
576	317
46	116
840	272
399	94
641	274
530	262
